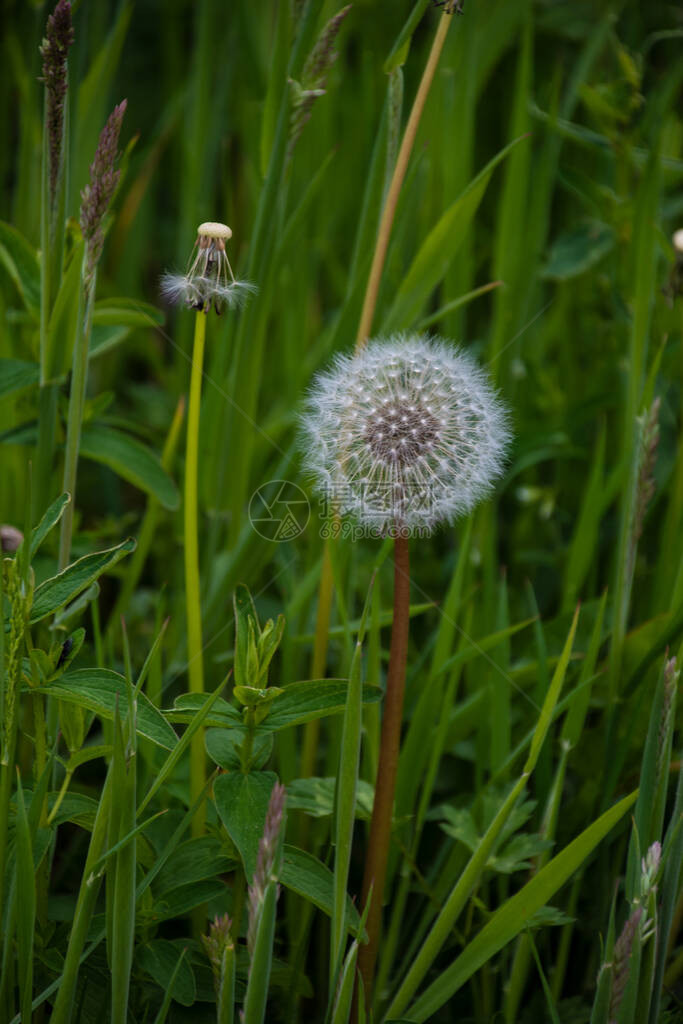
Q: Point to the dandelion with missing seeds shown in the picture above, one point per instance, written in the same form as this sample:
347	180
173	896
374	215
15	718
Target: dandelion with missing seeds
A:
404	435
209	280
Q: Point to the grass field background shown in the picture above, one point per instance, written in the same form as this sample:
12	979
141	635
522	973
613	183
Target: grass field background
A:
548	165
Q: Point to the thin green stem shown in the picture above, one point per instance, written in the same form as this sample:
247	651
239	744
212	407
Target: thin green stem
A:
387	221
382	809
79	383
192	583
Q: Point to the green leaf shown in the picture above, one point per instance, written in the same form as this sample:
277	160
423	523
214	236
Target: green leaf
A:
15	375
99	690
20	260
242	802
437	251
512	917
577	250
222	746
126	313
315	796
49	520
401	47
245	613
159	959
63	325
131	460
195	860
302	702
170	989
184	898
306	875
57	591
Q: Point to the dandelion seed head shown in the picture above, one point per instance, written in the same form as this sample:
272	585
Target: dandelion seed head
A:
208	280
407	433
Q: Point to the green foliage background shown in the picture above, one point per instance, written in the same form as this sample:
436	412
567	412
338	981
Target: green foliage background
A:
582	333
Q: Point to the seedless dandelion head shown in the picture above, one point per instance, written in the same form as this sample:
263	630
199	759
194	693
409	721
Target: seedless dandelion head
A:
406	434
209	280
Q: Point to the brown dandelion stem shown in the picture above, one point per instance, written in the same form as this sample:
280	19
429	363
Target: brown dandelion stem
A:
385	786
387	221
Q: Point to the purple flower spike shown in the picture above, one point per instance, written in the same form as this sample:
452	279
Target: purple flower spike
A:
97	196
54	50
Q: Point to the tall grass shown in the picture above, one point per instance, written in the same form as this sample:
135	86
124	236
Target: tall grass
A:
534	870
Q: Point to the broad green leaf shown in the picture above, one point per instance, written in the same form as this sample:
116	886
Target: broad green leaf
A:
510	919
315	796
193	861
302	702
75	807
101	690
221	713
20	260
49	520
170	989
242	802
15	375
131	460
222	747
126	313
181	900
159	958
579	249
306	875
437	251
57	591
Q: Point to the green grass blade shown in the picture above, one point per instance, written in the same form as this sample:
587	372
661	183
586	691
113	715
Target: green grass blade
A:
168	994
26	906
261	961
509	920
346	794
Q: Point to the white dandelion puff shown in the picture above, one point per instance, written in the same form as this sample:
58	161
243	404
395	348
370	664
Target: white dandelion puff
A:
406	434
209	280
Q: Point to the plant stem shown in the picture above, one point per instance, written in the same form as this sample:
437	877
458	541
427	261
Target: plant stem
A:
79	383
322	623
386	223
382	808
192	585
364	328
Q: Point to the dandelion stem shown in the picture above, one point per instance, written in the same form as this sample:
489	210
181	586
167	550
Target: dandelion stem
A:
382	808
386	223
192	587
